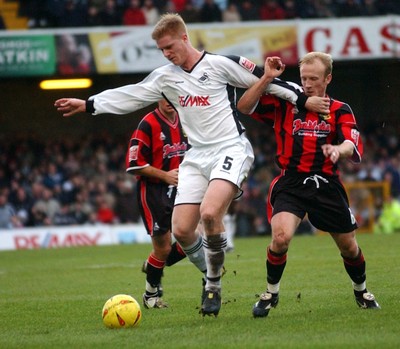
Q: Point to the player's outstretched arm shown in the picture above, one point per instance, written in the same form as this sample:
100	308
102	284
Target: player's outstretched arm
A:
273	68
70	106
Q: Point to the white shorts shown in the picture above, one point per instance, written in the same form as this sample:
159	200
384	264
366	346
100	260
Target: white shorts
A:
230	160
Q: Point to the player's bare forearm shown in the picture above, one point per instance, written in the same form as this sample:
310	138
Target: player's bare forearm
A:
251	97
169	177
273	68
70	106
335	152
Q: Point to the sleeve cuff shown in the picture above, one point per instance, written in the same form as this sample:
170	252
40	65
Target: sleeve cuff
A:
301	101
90	106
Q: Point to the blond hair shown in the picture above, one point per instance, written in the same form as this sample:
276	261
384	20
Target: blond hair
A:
169	24
325	58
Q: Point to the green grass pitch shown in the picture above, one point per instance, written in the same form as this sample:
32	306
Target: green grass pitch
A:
53	298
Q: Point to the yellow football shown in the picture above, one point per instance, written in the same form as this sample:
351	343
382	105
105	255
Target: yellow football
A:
121	311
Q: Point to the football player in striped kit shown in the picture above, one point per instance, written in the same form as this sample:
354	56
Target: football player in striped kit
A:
156	149
309	146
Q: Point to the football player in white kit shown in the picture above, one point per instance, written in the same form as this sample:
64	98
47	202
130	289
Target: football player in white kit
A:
200	86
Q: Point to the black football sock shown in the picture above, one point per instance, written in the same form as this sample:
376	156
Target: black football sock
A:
355	268
154	273
176	254
275	264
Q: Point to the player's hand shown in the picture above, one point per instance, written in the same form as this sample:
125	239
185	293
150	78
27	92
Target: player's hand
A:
70	106
331	151
318	105
172	177
273	67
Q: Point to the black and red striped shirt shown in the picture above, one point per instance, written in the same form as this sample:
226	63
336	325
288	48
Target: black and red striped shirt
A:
156	142
300	134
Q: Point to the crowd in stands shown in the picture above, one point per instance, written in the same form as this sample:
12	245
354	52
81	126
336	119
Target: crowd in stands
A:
84	13
64	182
67	182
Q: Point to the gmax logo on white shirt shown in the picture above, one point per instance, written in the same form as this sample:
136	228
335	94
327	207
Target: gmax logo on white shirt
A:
194	101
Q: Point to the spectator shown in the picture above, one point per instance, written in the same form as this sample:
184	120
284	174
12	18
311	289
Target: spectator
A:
111	14
307	9
53	12
126	194
245	220
22	204
39	218
210	12
53	177
178	5
324	8
104	213
35	11
78	213
222	4
8	216
161	5
231	14
190	14
37	189
134	15
258	207
388	6
392	175
349	8
369	172
64	216
249	11
271	10
46	207
4	179
83	206
290	9
150	12
93	18
66	191
75	14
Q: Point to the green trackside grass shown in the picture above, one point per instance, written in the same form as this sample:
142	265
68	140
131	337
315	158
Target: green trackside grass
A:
53	299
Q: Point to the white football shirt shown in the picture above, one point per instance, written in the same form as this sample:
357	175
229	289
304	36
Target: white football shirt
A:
204	97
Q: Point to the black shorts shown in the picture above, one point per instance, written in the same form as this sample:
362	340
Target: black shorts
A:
156	202
322	197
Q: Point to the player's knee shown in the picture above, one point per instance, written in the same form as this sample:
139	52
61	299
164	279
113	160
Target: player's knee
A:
280	241
179	234
347	244
210	221
207	218
184	237
349	250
